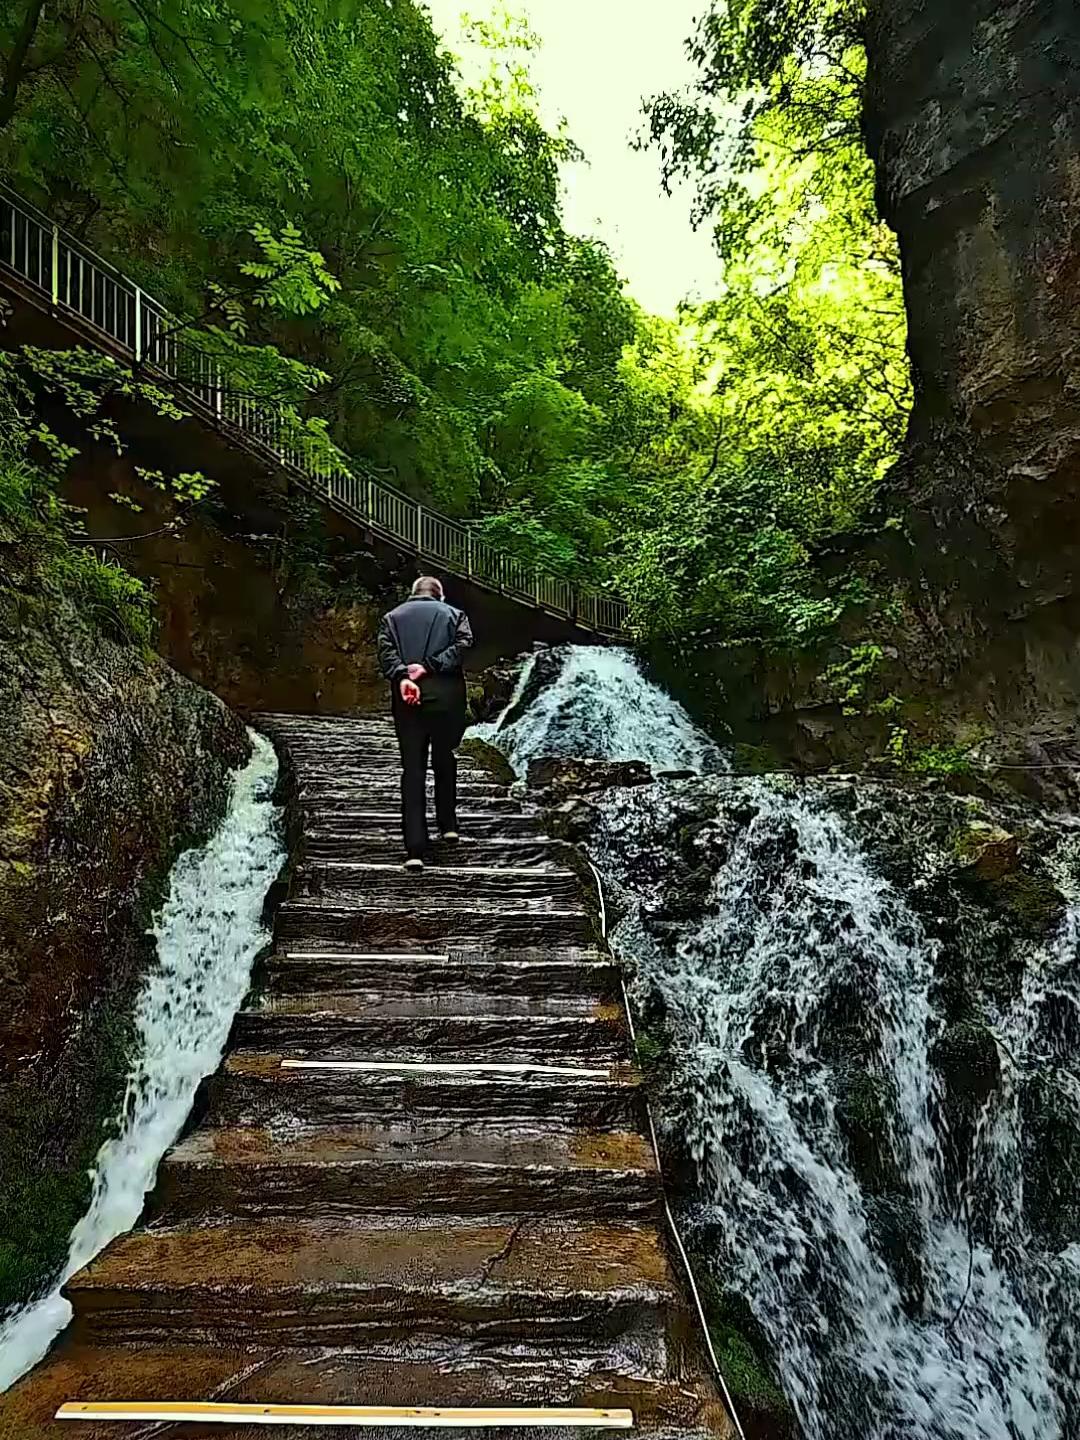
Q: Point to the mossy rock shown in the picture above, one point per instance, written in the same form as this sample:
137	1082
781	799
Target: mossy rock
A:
989	860
653	1051
754	759
968	1059
492	760
864	1104
746	1363
987	851
1034	901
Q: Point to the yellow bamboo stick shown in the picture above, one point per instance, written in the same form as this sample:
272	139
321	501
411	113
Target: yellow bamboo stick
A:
418	1415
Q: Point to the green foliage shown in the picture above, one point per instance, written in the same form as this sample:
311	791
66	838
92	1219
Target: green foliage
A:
944	759
338	193
32	463
805	348
401	236
294	279
947	758
847	680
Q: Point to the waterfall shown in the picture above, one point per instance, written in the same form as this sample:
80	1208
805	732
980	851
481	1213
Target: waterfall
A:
208	932
903	1228
591	707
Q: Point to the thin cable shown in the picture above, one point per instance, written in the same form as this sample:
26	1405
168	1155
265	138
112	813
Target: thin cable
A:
826	772
689	1269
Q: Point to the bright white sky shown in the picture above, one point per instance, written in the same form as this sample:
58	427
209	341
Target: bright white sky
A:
598	61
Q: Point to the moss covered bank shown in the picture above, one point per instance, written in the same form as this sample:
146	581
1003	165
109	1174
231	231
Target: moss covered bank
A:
110	765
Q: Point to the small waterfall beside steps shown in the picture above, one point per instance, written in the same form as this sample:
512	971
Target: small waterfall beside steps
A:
208	931
867	998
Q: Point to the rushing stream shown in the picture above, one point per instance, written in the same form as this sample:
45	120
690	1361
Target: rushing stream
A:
871	994
208	933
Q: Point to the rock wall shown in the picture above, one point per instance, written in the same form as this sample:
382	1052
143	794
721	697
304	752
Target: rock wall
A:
110	765
973	119
270	600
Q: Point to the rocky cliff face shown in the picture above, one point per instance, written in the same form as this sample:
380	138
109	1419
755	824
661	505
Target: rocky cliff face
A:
266	598
973	118
110	764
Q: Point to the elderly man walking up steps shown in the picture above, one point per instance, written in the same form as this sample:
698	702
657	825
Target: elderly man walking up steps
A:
421	648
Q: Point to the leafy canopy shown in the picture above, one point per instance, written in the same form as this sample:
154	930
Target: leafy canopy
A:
315	180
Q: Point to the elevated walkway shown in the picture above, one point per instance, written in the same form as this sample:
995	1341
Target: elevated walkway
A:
423	1175
48	269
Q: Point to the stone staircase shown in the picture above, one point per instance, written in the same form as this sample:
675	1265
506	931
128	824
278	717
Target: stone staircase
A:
466	1211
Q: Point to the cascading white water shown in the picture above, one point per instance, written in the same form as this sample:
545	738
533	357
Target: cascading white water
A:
592	708
901	1300
208	933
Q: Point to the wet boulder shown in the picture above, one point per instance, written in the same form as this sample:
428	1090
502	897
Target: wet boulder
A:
684	896
489	697
967	1057
546	668
897	1235
1051	1149
560	777
987	852
572	820
1007	879
864	1102
493	760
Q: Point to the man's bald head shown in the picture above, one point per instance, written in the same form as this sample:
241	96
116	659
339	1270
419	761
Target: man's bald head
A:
429	586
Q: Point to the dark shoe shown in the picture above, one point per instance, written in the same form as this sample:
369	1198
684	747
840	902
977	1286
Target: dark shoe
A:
414	862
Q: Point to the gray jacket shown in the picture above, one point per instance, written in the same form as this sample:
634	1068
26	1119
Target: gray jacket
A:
423	631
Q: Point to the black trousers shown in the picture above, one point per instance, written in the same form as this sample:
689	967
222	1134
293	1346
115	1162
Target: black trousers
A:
422	730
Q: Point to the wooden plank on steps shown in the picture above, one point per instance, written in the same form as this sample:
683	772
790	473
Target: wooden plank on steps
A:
222	1413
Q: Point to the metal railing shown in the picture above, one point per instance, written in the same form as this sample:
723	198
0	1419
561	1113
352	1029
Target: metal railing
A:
71	279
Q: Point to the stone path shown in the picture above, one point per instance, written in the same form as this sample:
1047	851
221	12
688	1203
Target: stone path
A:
401	1235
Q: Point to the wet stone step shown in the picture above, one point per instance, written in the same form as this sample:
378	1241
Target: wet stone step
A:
333	1281
339	779
469	1372
384	770
421	1169
385	817
466	972
392	1006
297	723
381	848
252	1089
327	1033
388	798
505	887
372	928
471	795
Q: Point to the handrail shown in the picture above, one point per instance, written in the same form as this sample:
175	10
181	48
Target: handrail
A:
72	279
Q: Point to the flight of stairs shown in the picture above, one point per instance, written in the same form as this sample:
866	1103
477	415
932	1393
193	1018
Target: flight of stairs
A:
426	1231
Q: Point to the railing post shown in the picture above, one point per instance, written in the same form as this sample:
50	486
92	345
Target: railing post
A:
468	553
138	326
56	265
419	526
